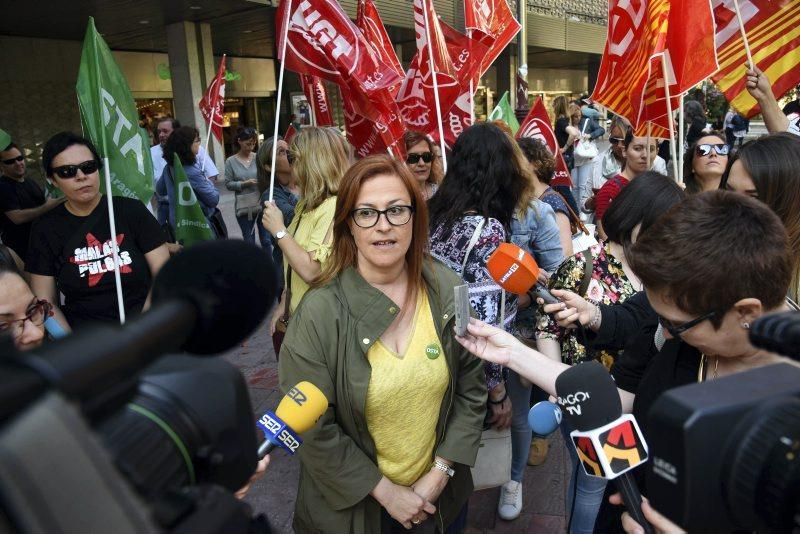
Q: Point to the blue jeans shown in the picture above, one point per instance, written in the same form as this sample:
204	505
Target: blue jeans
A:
246	224
520	431
582	184
588	494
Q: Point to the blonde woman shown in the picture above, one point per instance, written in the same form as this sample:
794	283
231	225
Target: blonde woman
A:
319	160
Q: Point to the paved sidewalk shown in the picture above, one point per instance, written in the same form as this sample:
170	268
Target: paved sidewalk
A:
274	495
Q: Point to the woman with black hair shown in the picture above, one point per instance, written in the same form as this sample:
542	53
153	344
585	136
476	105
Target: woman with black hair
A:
71	250
185	142
602	275
241	177
470	216
705	162
766	169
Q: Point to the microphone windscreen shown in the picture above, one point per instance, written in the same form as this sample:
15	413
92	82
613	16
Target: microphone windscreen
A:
544	418
232	285
512	268
588	396
302	406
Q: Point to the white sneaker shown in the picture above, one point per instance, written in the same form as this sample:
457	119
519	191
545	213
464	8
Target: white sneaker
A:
510	504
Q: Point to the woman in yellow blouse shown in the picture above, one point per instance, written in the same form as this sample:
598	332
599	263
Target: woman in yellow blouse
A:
318	162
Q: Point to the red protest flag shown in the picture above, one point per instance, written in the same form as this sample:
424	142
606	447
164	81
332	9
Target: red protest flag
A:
322	41
466	54
493	24
373	137
317	96
637	32
213	102
369	22
416	96
537	126
289	135
774	37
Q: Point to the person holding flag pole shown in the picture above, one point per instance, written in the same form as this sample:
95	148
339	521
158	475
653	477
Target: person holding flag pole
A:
282	46
110	118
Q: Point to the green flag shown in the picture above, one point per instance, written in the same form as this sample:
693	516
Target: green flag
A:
191	225
503	112
110	119
5	139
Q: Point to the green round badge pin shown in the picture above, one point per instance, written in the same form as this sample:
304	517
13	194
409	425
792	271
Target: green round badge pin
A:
433	351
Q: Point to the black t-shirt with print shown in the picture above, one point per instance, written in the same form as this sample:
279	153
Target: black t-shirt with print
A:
16	195
77	252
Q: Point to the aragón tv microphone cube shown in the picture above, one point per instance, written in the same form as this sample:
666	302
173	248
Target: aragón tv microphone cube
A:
297	412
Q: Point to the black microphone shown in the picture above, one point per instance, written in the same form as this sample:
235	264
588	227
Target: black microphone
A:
779	332
608	443
206	299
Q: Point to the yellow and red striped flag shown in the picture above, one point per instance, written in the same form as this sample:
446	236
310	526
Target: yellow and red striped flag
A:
774	35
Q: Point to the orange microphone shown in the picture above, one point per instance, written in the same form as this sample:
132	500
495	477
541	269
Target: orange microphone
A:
516	271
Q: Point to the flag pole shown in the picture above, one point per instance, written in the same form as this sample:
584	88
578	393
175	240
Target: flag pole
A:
672	153
287	22
647	145
210	124
471	89
744	34
426	16
112	223
680	140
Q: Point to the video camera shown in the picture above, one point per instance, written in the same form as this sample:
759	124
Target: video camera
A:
726	453
99	434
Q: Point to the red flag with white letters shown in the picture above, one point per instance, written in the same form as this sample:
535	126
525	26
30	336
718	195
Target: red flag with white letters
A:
369	22
317	97
492	23
537	126
213	102
322	41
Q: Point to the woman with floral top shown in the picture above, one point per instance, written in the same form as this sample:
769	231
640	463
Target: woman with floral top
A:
607	280
486	183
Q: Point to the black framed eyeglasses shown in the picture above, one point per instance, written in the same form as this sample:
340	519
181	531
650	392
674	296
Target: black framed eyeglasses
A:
37	313
12	161
414	157
615	140
71	171
705	149
369	217
676	329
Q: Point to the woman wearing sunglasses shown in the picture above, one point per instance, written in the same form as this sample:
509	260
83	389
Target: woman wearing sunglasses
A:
376	335
704	163
706	315
70	251
766	169
319	160
422	161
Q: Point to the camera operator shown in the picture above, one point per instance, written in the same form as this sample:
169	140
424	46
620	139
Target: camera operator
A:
710	267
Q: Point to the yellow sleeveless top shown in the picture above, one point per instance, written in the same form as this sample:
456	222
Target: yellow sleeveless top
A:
404	398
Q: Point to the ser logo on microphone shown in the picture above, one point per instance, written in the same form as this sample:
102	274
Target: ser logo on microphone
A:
270	424
572	402
289	441
297	396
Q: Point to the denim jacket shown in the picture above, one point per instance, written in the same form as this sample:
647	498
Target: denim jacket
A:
536	231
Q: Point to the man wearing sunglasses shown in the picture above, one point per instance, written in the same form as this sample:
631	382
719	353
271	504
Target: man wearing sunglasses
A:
21	200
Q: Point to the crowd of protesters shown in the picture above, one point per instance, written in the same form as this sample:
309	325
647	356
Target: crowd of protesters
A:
369	251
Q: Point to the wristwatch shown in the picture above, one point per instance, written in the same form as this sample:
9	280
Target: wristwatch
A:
444	468
280	235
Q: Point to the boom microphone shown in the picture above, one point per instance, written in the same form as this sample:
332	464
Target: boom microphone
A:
544	418
609	444
297	412
516	271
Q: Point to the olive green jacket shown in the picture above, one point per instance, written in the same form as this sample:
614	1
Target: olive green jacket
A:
327	343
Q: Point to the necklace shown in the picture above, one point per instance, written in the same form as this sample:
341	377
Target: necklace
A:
701	371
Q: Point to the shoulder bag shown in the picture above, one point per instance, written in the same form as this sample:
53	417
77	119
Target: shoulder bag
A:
283	320
493	463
